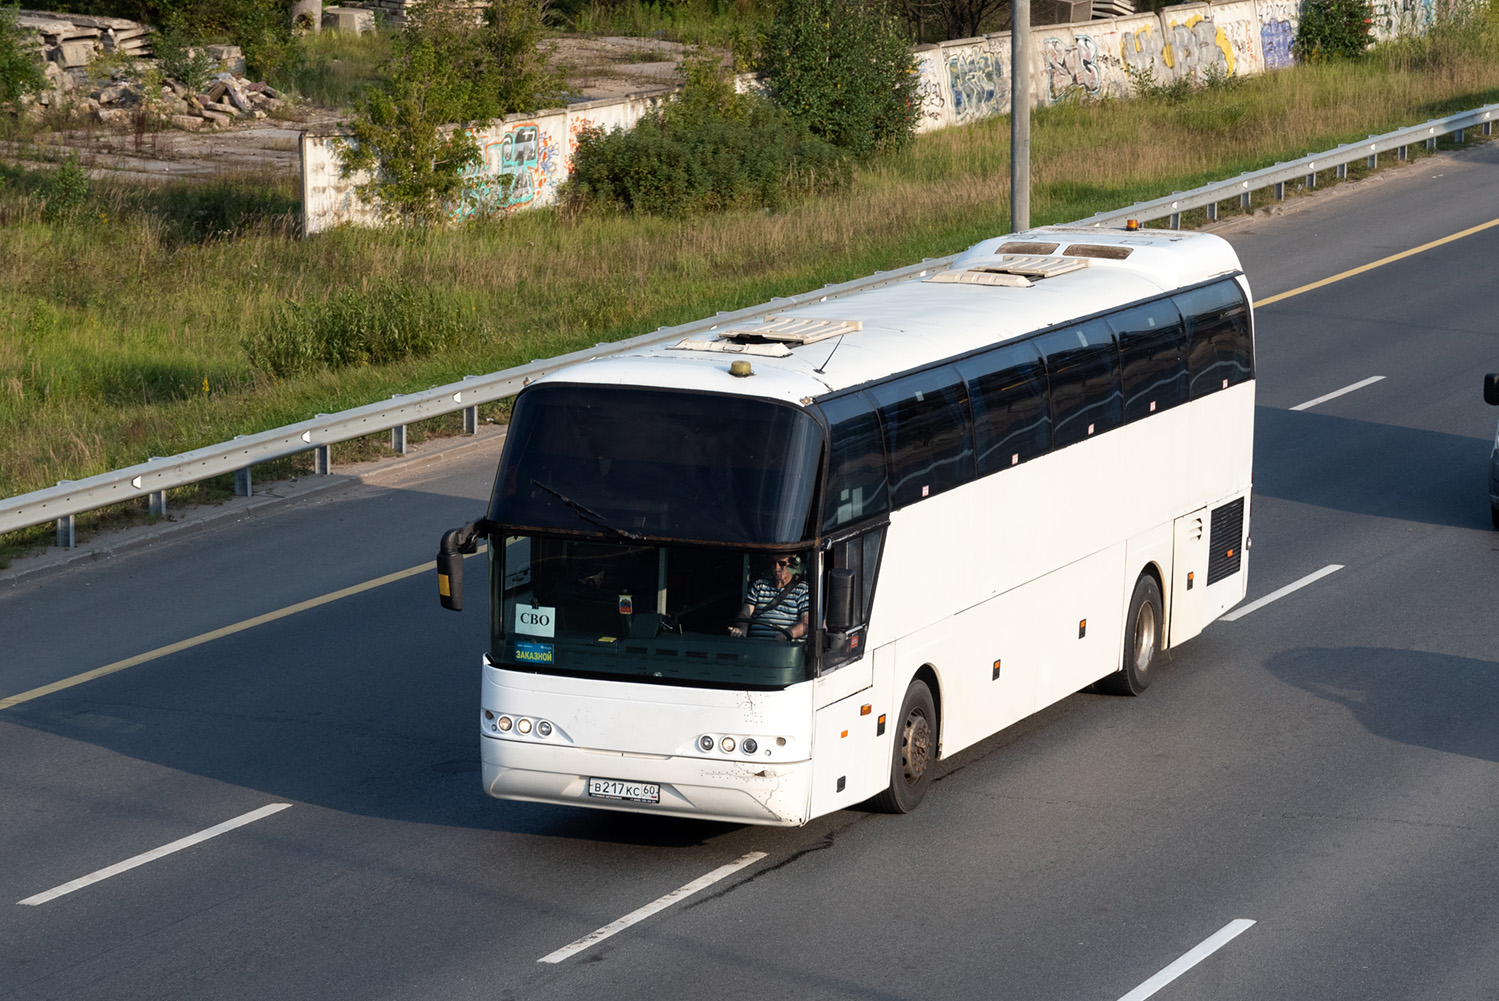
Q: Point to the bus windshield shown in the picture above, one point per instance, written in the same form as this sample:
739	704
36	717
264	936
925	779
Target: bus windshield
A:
632	462
683	614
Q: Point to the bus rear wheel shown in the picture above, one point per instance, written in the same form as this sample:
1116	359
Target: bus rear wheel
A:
913	761
1142	641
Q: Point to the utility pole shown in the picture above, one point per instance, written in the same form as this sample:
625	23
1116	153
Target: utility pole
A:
1020	115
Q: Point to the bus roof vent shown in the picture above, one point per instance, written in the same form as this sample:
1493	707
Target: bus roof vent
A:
1027	248
1103	250
1011	271
775	333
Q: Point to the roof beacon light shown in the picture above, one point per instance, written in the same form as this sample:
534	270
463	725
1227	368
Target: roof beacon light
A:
740	369
1131	224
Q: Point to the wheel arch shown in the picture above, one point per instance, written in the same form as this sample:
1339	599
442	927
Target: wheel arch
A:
928	674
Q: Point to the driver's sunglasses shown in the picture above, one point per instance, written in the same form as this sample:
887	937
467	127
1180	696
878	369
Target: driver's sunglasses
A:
782	563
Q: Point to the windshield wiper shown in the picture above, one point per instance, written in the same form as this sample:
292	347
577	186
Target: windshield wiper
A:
587	514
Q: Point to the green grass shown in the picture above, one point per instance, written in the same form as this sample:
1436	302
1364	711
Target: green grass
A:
718	23
124	320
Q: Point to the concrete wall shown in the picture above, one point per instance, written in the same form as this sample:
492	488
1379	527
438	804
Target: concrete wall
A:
525	158
961	81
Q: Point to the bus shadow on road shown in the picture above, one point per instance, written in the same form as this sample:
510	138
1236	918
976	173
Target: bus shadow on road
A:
1433	700
1368	468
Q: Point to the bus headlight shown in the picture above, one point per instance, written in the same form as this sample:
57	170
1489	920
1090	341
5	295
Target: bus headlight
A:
523	726
543	728
705	743
750	745
727	744
505	723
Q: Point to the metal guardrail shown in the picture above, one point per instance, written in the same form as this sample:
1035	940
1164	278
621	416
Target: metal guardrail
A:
153	478
1209	196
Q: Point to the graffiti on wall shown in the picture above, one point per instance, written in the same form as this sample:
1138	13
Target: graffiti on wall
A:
1198	49
1396	17
1071	69
980	84
1278	21
929	90
1144	53
518	165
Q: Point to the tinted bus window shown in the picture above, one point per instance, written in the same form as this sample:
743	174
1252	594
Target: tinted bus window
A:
856	484
1082	365
926	434
1007	393
1219	351
1152	360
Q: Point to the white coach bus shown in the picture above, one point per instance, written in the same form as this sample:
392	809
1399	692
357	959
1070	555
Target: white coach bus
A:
784	568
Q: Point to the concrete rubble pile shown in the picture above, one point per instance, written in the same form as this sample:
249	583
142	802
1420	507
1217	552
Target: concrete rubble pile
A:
114	93
227	98
395	11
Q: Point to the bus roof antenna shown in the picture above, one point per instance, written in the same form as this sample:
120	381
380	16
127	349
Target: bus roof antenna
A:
836	346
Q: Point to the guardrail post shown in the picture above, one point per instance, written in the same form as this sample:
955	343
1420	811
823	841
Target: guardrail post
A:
1311	180
1244	201
1459	134
1176	220
398	439
65	536
1212	211
1342	171
1373	161
1488	128
471	419
1404	153
1280	191
1431	144
242	485
322	459
156	503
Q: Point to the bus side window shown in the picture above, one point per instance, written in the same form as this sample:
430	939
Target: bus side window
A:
1082	365
1007	391
1152	362
1219	350
856	485
861	556
926	434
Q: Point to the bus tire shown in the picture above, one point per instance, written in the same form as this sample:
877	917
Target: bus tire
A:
914	758
1142	641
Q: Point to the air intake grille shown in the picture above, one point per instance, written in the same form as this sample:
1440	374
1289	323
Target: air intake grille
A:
1225	541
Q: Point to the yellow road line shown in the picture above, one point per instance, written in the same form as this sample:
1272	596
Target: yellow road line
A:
1379	263
208	637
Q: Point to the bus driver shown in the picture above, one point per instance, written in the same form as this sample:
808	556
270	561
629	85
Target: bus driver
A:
777	603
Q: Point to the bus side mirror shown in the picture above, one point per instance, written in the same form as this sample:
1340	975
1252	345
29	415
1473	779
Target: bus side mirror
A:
840	615
450	552
1491	389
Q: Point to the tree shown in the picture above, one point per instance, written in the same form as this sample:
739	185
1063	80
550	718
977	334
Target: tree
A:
447	77
843	68
1334	29
20	70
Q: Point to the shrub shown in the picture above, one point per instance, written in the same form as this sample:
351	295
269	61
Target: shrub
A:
66	190
1334	29
709	149
844	69
388	324
20	70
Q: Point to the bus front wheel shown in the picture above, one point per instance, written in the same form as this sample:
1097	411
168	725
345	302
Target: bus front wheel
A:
1142	641
913	761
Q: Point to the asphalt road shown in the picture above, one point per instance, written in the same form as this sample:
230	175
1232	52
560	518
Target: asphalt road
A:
1324	766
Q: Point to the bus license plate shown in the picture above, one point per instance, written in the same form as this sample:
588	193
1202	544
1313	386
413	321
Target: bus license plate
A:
639	792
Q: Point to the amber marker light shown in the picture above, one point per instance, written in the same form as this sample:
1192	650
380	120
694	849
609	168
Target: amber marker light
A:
866	709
